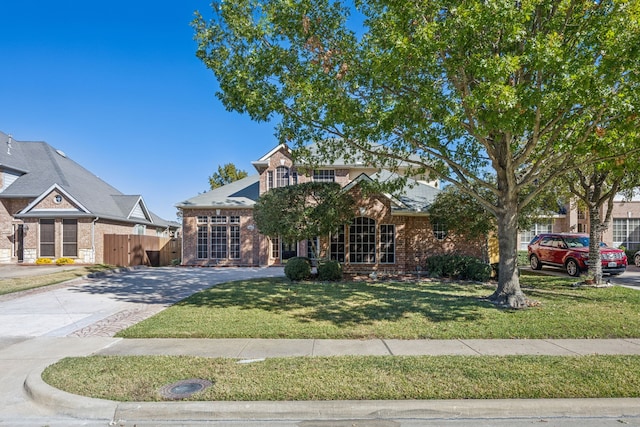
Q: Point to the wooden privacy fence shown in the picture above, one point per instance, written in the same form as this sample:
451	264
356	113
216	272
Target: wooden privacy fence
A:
127	250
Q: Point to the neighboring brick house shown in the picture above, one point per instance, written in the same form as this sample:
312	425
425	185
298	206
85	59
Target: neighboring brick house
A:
389	233
51	207
624	229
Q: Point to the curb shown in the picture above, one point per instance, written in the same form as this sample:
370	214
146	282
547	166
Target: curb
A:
88	408
65	403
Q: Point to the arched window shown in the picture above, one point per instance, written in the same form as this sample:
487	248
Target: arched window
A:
282	176
362	241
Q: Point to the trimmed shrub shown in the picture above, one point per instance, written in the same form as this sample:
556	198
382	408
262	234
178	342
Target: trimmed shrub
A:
478	270
330	271
64	261
298	268
44	261
458	267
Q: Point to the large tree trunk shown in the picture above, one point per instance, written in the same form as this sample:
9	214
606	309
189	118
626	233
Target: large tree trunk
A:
508	293
595	237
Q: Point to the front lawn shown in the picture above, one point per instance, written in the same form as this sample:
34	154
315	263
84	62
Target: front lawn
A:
17	284
139	378
277	308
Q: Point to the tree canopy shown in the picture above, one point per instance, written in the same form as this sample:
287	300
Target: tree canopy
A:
303	211
596	186
226	174
451	88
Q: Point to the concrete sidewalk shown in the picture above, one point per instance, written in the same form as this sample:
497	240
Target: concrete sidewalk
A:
240	348
56	403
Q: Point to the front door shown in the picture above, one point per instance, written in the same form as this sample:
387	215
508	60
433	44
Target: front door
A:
20	243
289	250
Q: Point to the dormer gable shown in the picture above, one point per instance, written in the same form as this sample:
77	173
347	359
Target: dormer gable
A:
8	177
133	207
270	160
55	200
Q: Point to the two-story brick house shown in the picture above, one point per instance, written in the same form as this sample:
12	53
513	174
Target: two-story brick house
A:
52	207
389	233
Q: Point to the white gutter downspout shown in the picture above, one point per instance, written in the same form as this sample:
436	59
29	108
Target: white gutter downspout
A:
93	240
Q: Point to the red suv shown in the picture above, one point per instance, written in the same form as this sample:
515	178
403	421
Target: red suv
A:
571	251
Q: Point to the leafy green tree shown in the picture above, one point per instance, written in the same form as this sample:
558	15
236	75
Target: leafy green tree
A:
462	213
226	175
596	186
303	211
451	88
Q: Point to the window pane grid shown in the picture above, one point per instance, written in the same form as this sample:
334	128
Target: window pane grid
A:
362	241
626	232
218	219
310	247
337	245
202	251
324	175
282	176
387	244
269	180
234	242
218	242
439	231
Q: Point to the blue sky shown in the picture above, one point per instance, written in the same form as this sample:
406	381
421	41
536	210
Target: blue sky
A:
116	86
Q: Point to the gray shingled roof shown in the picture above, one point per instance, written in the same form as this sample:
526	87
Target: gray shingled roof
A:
416	196
42	166
239	194
245	192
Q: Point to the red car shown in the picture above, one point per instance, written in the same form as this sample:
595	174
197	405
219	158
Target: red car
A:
571	251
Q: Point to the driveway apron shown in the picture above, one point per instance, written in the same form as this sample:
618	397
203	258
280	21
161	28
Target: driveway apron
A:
103	305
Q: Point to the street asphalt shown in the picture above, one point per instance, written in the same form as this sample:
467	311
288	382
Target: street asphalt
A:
79	318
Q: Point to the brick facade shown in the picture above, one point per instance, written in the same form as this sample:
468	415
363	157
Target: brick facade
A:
90	230
250	239
414	238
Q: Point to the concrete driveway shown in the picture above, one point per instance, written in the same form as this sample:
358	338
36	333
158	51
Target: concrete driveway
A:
39	327
104	305
630	278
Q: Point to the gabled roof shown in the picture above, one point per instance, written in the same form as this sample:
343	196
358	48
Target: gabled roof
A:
416	196
239	194
355	159
31	207
263	162
41	167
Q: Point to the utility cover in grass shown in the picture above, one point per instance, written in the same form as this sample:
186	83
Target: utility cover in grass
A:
183	389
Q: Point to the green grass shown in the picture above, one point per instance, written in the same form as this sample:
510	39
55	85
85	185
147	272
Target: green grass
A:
277	308
352	378
17	284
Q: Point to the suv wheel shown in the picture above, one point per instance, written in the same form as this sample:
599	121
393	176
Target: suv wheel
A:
572	268
535	263
636	260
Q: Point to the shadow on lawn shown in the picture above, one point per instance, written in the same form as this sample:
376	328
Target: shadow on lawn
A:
347	303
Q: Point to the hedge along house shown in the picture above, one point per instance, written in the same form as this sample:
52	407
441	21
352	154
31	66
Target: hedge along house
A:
389	233
51	207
